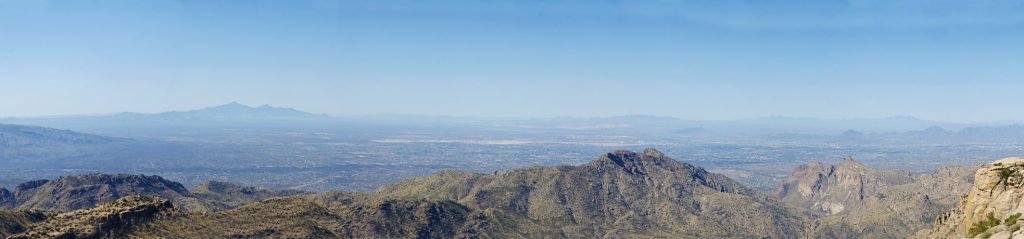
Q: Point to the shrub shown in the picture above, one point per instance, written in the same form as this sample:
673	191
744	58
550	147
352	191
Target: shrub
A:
983	225
1005	174
1012	220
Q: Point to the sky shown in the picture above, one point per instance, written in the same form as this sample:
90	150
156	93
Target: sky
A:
955	61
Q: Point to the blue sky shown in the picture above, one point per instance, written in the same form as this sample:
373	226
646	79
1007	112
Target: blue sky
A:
959	61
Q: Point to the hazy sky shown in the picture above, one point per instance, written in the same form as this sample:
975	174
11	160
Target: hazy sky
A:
717	59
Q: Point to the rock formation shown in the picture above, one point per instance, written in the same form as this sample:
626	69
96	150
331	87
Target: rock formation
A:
851	200
992	208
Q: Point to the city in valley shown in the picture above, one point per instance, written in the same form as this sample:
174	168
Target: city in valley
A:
511	119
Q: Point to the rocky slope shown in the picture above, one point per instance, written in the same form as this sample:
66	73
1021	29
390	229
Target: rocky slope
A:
16	222
32	136
621	194
229	195
88	190
991	209
109	220
851	200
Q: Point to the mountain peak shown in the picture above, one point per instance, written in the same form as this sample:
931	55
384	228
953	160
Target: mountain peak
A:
592	196
234	105
633	162
235	110
849	159
651	152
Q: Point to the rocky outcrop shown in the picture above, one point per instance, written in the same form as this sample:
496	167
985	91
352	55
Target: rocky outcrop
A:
109	220
834	189
851	200
992	208
6	199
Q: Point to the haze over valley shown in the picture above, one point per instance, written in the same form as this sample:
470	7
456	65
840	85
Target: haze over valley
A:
280	147
429	119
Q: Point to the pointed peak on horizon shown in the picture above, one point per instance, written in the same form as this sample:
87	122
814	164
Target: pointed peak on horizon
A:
232	104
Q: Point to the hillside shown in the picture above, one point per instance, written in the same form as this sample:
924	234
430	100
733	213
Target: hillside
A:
31	136
108	220
850	199
88	190
621	194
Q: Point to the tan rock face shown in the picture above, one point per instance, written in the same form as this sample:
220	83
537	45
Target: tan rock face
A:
851	200
991	209
833	189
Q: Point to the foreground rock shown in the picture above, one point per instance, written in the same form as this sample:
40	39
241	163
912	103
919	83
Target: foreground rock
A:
17	222
992	208
105	221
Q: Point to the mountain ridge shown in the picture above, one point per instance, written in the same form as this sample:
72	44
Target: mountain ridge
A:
88	190
617	195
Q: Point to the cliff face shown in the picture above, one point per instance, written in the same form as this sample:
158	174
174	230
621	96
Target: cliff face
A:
992	208
853	200
6	199
834	189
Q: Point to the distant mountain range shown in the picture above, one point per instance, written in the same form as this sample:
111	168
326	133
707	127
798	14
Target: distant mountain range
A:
229	111
236	114
34	136
228	115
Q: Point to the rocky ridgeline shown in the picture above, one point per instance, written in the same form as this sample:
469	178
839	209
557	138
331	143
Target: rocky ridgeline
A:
992	208
88	190
108	220
834	189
